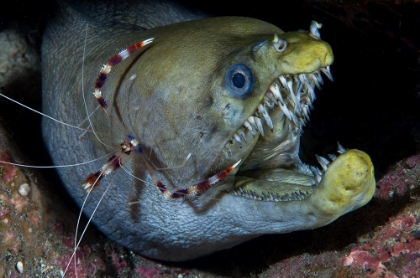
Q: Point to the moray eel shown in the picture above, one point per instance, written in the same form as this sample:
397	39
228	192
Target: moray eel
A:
221	89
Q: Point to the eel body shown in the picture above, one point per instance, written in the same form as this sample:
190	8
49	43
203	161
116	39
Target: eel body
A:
223	90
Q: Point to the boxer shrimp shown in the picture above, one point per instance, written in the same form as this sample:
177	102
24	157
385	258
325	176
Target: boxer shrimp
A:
122	153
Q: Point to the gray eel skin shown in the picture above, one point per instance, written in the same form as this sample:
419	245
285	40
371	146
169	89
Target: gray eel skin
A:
221	89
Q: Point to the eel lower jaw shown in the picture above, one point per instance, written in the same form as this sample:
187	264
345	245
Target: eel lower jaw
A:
344	184
280	184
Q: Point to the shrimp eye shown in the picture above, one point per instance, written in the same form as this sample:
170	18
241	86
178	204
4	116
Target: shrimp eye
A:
239	81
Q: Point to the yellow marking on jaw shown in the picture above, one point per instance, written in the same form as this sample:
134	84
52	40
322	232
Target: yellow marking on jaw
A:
316	55
348	184
304	54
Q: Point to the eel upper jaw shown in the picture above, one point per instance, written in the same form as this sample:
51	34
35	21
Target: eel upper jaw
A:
285	106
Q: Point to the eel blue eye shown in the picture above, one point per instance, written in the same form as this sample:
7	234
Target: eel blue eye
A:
239	81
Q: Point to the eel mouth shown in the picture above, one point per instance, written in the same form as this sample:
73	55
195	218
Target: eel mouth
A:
268	142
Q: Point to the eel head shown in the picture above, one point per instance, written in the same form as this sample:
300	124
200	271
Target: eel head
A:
242	89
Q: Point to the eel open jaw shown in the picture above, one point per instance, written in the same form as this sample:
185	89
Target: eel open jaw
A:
269	140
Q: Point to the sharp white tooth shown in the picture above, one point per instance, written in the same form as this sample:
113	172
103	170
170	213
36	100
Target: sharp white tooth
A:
263	197
302	78
249	127
319	173
299	94
299	88
327	72
280	99
323	162
284	82
293	98
243	136
285	110
332	156
255	195
316	171
270	96
318	178
313	182
311	92
313	80
295	120
252	121
318	77
305	110
290	86
298	108
229	151
340	148
238	139
263	111
298	111
305	168
304	100
269	122
309	77
259	125
320	80
318	85
275	90
267	102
